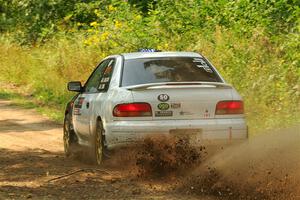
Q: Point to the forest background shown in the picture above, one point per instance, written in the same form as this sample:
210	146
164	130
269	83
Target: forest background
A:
254	44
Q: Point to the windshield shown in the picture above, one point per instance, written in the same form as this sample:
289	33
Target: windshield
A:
167	69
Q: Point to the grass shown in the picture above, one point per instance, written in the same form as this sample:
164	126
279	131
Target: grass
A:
23	101
265	73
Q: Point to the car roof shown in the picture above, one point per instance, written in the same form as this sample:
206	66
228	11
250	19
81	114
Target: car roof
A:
136	55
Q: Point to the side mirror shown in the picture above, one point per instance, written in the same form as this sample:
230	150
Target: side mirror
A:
75	86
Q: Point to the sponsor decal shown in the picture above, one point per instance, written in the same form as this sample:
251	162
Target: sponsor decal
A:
197	59
78	105
206	114
175	105
76	111
163	113
163	97
202	64
79	102
163	106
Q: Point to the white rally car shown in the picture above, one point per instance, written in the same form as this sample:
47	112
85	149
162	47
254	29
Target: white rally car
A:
133	95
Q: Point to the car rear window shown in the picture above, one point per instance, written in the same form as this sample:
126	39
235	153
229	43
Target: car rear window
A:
167	69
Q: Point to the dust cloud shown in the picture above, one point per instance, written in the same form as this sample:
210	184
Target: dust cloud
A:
156	157
265	167
166	156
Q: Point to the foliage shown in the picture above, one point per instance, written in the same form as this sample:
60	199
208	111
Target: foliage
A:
255	44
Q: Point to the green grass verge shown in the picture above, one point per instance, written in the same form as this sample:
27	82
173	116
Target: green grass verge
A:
54	113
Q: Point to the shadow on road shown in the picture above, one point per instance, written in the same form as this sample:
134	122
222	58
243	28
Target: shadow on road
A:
17	125
38	174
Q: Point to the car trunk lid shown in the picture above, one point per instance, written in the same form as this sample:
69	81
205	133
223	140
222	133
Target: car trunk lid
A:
182	100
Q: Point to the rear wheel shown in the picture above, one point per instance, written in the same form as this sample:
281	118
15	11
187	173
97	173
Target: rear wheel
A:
98	144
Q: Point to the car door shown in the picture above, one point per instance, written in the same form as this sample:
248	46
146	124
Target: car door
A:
84	104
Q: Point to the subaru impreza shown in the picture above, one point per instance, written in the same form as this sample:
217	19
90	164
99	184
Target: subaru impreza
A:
134	95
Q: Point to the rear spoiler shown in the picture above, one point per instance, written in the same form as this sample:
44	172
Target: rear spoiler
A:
178	85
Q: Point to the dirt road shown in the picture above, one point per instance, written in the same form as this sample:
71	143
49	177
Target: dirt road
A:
31	156
33	166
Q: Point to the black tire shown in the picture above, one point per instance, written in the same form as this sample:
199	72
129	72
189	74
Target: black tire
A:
98	147
68	135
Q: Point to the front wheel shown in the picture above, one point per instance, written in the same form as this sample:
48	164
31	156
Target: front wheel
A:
67	135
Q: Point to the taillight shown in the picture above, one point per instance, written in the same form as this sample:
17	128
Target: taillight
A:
229	107
132	110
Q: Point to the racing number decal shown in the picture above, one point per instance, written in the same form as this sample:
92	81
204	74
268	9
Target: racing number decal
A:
163	97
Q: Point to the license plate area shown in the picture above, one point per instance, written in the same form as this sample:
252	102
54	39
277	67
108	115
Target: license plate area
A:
186	133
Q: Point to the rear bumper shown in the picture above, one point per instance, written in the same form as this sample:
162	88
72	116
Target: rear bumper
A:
119	132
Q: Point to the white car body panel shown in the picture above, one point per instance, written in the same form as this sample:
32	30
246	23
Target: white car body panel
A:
210	129
196	111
